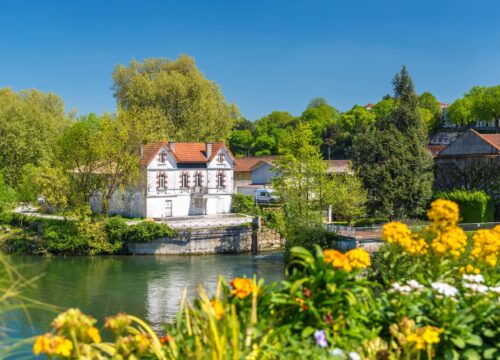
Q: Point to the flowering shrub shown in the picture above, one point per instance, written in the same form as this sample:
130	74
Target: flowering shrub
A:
445	306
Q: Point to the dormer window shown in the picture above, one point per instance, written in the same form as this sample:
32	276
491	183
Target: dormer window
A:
220	158
163	157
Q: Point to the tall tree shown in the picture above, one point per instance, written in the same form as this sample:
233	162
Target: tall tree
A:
460	111
429	105
187	106
391	158
30	124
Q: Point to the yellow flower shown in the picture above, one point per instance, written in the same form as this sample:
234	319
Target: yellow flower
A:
243	287
42	345
444	212
63	347
93	333
486	245
399	233
358	258
218	309
469	269
417	340
142	342
451	241
430	334
52	345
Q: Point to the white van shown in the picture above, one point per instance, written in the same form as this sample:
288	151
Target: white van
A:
265	196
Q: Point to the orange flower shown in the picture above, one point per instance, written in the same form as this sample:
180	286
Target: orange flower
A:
243	287
337	259
165	339
302	303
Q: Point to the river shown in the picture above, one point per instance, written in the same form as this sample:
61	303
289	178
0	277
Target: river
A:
147	286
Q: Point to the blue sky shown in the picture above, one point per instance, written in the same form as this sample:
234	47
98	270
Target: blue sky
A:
266	55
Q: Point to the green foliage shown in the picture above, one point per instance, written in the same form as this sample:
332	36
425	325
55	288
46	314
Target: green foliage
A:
475	206
369	222
30	123
116	229
274	218
357	119
308	237
347	197
391	158
240	142
460	112
430	111
8	196
243	204
174	99
147	231
480	103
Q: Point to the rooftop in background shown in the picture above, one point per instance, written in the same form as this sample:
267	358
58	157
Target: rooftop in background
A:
246	164
184	152
436	149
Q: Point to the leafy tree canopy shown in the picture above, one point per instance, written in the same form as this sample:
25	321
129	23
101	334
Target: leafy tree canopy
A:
30	123
177	97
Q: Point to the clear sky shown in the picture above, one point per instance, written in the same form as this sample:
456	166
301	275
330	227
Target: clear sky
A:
266	55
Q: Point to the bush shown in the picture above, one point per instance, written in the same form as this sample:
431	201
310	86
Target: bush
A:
243	204
475	206
116	229
274	218
147	231
308	238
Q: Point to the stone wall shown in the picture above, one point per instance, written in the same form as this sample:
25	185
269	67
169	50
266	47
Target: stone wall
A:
350	243
213	241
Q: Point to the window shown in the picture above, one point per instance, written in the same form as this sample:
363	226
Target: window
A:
184	181
198	180
220	179
161	181
220	158
163	157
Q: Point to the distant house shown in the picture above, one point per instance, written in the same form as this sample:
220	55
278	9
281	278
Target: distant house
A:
252	173
178	179
472	161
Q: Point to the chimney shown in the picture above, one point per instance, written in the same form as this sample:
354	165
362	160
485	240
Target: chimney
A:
208	149
171	145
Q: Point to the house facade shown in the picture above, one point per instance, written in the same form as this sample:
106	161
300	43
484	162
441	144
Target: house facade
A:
177	180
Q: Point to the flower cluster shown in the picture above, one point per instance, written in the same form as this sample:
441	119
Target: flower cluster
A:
423	336
409	287
469	269
486	245
51	345
353	259
452	240
445	289
444	213
399	233
243	287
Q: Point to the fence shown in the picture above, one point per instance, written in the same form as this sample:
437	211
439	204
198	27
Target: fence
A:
353	231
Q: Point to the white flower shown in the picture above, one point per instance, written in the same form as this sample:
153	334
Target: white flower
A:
414	284
444	288
403	289
495	289
474	278
336	352
354	356
476	287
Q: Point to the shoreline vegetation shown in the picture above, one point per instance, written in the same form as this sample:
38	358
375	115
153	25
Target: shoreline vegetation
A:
428	294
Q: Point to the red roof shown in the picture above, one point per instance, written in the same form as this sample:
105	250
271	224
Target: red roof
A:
184	152
492	139
247	163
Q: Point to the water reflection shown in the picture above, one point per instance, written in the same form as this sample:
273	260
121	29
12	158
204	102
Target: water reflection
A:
147	286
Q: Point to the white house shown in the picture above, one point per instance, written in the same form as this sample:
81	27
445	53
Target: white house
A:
178	179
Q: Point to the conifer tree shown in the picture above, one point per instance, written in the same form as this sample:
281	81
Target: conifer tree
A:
392	160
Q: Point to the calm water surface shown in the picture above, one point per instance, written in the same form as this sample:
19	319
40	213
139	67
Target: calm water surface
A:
147	286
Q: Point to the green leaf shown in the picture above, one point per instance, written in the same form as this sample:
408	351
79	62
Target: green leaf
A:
451	354
308	331
489	353
489	333
470	354
459	342
474	340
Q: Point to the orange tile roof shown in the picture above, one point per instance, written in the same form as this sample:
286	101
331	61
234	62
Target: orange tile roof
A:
435	149
184	152
492	139
246	164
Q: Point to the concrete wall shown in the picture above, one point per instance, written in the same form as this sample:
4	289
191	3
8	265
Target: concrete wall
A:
210	241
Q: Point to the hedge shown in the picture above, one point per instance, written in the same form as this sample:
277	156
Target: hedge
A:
475	206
